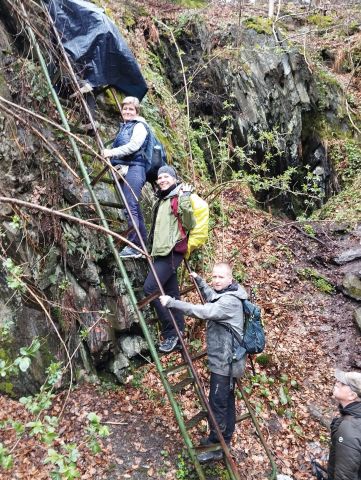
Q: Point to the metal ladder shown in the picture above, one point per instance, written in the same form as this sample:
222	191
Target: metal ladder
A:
165	374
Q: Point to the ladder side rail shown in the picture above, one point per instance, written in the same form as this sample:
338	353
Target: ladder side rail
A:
116	181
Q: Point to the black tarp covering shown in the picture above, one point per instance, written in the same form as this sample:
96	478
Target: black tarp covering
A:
99	52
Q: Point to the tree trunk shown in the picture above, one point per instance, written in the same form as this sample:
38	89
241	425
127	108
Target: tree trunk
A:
271	8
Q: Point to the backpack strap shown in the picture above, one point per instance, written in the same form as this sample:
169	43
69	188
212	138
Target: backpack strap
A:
182	244
174	205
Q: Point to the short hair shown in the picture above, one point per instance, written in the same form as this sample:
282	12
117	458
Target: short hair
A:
133	100
224	265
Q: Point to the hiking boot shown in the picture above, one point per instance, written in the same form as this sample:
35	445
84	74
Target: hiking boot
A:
211	456
205	442
129	252
168	345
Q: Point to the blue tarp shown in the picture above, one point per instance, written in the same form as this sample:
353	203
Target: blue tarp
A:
99	52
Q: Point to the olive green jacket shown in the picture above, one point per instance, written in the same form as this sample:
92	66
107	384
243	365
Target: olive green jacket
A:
165	231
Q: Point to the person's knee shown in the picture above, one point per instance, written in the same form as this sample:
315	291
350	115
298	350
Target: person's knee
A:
149	286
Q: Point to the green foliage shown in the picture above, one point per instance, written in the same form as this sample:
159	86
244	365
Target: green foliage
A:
320	282
309	229
22	362
64	463
259	24
14	277
6	460
16	222
320	20
44	428
276	392
346	156
217	471
264	359
190	3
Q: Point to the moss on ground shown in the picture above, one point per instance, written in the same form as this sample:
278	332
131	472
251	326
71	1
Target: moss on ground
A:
320	20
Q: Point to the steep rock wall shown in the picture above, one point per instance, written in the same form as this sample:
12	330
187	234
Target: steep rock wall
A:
267	87
68	268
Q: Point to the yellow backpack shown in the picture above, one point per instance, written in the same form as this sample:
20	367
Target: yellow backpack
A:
199	234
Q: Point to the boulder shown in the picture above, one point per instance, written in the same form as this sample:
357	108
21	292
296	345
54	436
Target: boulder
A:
19	325
119	366
351	285
348	256
132	345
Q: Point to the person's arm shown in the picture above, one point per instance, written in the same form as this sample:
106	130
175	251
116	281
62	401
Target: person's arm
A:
347	456
217	311
135	143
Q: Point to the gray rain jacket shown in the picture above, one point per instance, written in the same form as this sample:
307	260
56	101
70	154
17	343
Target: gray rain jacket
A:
221	308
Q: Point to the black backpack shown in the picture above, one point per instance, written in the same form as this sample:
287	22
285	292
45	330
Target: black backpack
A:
254	338
154	155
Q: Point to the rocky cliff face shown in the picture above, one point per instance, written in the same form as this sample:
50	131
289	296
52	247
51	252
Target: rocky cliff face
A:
66	277
274	100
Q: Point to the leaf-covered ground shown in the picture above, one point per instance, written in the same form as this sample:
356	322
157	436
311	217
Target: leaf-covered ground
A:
308	333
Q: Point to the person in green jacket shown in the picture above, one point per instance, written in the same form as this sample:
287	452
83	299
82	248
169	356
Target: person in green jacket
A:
345	450
172	220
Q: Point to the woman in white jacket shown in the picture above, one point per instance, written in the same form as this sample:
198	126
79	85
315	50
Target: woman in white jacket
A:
127	156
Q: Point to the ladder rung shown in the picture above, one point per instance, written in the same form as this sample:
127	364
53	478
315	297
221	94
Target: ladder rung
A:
177	368
99	176
182	384
192	422
112	205
239	418
146	301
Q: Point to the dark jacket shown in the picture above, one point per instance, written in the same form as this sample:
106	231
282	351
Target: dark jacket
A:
345	450
123	137
221	308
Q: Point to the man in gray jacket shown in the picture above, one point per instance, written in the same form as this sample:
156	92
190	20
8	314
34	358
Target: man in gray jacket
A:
345	450
223	310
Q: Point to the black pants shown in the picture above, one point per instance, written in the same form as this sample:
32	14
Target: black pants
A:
166	269
223	406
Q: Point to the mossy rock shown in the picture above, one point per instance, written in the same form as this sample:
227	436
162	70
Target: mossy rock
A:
259	24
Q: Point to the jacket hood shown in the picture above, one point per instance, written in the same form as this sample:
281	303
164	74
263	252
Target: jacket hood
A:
240	293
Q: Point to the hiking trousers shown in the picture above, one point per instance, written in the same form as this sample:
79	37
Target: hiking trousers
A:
223	405
136	180
166	269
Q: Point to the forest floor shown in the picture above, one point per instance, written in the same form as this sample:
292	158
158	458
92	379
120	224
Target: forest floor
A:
309	332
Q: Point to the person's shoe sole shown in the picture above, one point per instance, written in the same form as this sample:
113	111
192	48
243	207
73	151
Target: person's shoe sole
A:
177	347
